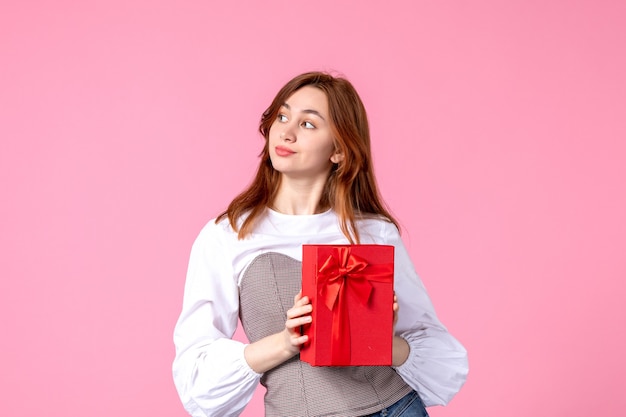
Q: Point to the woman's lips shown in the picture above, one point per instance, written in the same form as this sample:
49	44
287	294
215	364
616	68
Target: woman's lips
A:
281	151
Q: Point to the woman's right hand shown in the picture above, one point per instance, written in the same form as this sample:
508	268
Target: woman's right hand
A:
297	316
275	349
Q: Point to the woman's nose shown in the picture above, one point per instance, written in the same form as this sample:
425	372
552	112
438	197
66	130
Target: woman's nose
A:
288	135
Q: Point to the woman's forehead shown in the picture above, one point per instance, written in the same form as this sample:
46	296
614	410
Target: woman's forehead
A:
307	99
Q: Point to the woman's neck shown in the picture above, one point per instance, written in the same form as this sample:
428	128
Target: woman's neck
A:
298	197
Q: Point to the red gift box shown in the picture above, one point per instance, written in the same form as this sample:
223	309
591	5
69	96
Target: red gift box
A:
351	291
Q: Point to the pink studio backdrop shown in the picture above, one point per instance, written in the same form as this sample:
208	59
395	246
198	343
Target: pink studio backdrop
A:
499	140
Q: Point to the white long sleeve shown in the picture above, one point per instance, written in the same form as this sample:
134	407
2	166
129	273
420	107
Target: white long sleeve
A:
437	365
210	372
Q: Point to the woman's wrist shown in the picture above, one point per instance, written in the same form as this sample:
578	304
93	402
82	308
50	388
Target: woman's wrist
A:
400	351
269	352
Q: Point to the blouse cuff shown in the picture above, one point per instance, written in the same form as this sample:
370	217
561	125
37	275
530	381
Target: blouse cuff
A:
243	363
411	358
436	366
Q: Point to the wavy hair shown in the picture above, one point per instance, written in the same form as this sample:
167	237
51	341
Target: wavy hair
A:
350	189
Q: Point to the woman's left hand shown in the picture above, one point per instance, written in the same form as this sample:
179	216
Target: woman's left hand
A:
396	307
400	347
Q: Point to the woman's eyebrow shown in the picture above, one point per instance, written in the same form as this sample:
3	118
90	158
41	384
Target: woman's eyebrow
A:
310	111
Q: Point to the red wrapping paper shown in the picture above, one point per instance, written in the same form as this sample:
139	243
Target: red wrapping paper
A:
351	290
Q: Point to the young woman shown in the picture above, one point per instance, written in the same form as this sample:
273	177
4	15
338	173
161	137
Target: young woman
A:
314	185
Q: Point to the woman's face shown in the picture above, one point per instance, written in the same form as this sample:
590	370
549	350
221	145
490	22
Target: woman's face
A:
300	139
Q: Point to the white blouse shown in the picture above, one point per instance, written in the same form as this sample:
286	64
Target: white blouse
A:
210	372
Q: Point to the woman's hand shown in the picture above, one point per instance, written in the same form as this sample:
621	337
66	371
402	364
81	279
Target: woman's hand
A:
400	347
297	316
271	351
396	308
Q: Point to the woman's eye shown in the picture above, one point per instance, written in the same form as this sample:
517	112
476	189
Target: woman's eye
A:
282	118
308	125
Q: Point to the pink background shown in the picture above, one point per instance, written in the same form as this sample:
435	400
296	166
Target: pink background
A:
499	134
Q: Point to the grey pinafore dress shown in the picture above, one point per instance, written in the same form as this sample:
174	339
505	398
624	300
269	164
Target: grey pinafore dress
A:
296	388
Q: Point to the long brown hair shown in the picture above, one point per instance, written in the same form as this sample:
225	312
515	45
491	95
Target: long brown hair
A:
350	189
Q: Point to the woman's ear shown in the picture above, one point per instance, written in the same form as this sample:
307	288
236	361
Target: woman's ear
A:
336	157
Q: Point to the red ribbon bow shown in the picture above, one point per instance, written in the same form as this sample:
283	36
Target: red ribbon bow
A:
340	270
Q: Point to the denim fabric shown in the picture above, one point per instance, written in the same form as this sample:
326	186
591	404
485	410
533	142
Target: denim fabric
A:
409	406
